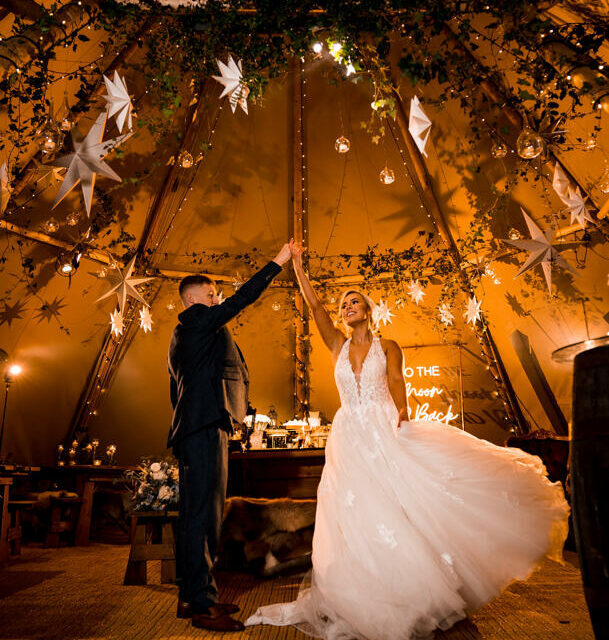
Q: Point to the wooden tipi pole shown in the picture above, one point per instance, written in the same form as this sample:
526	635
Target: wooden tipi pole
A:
299	230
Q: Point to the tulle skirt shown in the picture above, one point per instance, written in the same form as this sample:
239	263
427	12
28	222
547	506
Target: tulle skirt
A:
417	526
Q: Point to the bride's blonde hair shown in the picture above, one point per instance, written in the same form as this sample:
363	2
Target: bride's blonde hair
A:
369	302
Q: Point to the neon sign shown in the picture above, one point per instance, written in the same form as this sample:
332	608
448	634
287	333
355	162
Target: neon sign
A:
421	411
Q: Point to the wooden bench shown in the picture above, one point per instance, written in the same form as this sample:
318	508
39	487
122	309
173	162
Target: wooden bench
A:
152	538
64	515
5	484
15	532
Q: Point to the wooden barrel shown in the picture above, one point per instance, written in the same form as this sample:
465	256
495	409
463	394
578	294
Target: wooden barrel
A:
590	480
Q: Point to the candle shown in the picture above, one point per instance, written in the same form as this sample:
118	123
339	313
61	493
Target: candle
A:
97	463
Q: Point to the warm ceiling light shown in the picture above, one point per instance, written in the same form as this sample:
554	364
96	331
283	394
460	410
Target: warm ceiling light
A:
15	370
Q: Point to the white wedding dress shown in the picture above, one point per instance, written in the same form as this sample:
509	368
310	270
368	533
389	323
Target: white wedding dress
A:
415	526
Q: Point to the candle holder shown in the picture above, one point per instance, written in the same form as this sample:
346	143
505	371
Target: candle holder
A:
97	463
89	453
60	460
110	451
72	456
94	444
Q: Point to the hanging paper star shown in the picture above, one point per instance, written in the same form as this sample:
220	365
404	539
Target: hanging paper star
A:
445	314
145	319
87	161
125	285
237	281
419	125
117	323
560	182
231	78
415	291
472	313
50	310
221	297
10	313
541	250
119	101
577	207
381	313
5	187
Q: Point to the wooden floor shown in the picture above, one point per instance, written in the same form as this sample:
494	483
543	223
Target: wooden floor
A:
77	593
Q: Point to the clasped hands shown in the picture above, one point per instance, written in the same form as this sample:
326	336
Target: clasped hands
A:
290	250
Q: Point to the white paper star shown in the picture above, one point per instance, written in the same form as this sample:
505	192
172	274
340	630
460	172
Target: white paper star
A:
231	78
87	161
577	207
125	285
419	125
415	291
560	182
119	101
541	251
382	313
445	314
5	187
116	320
145	319
473	310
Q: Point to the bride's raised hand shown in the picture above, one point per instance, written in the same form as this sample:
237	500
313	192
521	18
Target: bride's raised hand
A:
297	251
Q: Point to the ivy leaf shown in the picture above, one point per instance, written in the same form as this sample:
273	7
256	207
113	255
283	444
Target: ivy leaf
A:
525	95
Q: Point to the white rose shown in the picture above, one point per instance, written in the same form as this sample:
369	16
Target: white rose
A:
155	467
160	476
165	493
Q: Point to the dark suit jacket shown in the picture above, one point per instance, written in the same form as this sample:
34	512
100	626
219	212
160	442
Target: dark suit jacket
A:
208	376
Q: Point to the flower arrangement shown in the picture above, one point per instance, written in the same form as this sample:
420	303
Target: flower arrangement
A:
155	484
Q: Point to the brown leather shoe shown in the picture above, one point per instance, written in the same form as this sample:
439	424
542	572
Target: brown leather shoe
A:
185	608
216	620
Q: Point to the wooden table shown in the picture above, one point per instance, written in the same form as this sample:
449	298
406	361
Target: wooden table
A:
84	480
5	484
275	473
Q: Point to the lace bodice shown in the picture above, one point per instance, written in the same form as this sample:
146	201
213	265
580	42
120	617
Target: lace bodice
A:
371	388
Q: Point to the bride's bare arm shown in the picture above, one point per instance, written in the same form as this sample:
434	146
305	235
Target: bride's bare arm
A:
395	379
332	337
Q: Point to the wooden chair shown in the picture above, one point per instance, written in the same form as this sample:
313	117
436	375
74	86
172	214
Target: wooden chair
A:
15	532
152	538
64	515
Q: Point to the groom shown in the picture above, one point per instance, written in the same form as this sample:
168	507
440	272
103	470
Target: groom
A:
208	388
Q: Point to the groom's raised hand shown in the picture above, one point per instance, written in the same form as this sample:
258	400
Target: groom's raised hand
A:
297	251
285	253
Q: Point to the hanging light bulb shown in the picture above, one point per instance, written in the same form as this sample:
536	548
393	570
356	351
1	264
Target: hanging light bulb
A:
73	218
514	234
317	47
591	143
387	176
171	305
185	160
101	272
342	144
603	181
68	262
51	225
66	124
498	149
529	144
276	306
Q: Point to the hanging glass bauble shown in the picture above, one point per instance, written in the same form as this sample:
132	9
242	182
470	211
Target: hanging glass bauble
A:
591	143
73	218
171	305
185	160
529	144
51	225
276	306
498	149
342	144
387	176
514	234
603	182
101	272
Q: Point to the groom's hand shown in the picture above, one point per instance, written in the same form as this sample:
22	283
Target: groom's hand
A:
297	251
285	254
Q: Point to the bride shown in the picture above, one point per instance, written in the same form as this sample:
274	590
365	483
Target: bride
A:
417	523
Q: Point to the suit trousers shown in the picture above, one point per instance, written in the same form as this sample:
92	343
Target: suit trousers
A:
203	467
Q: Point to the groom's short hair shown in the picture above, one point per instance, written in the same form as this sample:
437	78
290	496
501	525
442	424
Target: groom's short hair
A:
193	281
